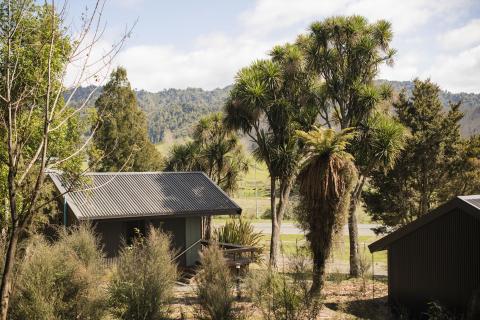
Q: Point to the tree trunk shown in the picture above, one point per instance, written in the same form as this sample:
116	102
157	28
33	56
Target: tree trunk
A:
285	188
208	227
318	272
7	276
353	228
353	237
275	239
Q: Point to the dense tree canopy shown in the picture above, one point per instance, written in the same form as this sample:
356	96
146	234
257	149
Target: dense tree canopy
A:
269	101
434	164
121	142
347	53
38	129
175	111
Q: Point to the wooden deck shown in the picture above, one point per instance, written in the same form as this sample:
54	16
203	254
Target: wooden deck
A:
236	255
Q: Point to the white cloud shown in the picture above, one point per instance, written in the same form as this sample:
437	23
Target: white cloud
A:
457	72
462	37
270	15
405	15
404	68
214	58
213	63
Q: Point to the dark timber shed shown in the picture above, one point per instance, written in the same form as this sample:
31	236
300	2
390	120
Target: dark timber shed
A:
118	203
436	257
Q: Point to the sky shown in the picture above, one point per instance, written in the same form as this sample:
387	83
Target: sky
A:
203	43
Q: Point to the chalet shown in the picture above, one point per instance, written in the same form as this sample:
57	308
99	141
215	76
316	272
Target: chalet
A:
436	258
119	203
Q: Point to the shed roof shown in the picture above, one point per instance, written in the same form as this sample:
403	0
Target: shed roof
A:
143	194
468	204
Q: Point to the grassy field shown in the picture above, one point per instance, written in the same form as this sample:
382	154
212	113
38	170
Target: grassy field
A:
253	193
341	250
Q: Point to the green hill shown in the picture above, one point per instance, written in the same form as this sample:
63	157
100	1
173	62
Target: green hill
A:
172	112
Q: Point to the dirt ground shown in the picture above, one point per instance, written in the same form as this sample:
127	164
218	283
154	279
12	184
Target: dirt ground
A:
343	299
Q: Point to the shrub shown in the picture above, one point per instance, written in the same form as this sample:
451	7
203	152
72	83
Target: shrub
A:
285	296
238	231
215	287
436	311
60	280
365	263
142	282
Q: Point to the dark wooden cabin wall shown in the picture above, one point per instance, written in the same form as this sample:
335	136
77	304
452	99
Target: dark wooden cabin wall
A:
440	261
111	233
175	227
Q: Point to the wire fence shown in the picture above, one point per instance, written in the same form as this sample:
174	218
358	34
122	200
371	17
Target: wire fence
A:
339	260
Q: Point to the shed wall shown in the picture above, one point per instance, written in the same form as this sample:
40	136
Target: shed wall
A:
111	233
193	230
175	227
438	262
114	230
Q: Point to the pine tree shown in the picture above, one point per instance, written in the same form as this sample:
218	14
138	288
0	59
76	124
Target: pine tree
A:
121	142
424	175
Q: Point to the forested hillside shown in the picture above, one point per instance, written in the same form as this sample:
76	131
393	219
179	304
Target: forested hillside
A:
470	105
175	110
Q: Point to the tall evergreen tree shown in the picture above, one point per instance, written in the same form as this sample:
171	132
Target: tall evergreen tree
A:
38	128
423	176
121	142
347	53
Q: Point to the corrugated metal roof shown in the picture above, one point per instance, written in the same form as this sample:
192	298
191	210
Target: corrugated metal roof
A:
469	204
473	200
140	194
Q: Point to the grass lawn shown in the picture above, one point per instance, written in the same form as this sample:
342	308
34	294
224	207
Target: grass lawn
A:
340	252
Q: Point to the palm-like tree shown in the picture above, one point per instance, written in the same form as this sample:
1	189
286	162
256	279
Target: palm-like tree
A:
347	52
326	180
269	101
376	147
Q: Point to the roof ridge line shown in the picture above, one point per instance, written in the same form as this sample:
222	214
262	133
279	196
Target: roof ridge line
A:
140	173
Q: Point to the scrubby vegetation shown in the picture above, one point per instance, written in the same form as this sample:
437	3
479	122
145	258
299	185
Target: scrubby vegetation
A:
143	279
215	287
61	280
238	231
285	295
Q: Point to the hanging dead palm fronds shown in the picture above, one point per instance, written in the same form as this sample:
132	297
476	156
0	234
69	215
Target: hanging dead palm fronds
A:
326	180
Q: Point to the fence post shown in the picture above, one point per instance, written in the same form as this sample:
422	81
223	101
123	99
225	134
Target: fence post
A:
373	277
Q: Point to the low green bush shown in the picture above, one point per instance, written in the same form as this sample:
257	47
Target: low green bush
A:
143	279
238	231
60	280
